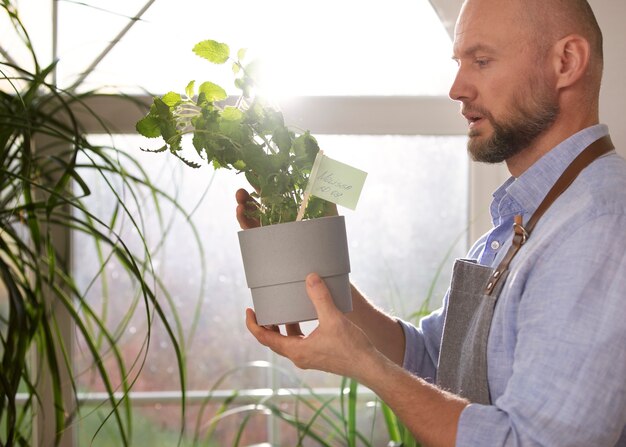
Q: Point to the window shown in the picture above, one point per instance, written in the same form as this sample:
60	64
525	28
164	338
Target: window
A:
371	84
311	48
397	247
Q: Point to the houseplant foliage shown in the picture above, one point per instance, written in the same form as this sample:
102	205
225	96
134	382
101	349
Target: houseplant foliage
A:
249	137
45	163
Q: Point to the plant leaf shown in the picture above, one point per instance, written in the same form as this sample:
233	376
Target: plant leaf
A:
212	92
167	123
213	51
190	89
232	114
172	99
282	138
253	69
239	165
149	127
306	148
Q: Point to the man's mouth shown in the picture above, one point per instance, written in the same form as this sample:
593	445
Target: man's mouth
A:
473	121
473	118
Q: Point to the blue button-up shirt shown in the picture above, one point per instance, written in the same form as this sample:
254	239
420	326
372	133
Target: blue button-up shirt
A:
556	352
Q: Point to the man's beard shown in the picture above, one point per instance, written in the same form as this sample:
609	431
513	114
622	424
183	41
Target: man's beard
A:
517	131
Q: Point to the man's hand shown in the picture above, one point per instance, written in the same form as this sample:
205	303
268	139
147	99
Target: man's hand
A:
336	345
245	205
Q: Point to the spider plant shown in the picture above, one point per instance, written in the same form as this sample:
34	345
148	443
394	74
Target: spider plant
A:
45	156
307	417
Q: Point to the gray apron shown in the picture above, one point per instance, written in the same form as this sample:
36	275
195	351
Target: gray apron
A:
474	292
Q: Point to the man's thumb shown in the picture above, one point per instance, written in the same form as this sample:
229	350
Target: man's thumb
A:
320	296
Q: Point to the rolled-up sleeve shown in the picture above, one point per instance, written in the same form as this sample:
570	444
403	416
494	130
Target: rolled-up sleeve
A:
422	345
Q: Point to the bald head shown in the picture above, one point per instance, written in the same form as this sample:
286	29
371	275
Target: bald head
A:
541	24
550	20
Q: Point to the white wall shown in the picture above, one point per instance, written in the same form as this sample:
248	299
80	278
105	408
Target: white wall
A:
611	15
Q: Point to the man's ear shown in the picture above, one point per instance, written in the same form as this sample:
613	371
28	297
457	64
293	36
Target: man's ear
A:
571	60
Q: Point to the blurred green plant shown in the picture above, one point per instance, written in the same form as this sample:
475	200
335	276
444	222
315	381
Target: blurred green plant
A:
44	155
327	421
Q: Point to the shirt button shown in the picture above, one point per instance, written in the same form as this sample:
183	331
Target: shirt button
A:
495	245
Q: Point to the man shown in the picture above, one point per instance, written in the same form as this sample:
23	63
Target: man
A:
540	359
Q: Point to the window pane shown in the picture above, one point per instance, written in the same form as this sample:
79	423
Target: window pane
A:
412	212
411	218
325	47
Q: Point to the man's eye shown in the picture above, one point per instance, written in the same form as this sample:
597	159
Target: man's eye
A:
481	62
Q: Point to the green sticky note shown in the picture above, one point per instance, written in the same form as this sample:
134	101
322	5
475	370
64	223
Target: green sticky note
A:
337	182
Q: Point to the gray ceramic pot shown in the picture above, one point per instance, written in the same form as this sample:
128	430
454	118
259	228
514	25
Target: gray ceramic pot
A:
277	259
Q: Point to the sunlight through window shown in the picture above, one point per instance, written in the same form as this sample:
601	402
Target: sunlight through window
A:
325	47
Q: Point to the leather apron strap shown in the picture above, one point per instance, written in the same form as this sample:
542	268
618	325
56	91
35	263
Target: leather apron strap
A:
522	233
462	367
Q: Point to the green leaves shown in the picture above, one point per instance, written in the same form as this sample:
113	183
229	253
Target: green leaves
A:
213	51
149	127
250	138
212	92
189	90
232	114
282	138
159	121
306	149
172	99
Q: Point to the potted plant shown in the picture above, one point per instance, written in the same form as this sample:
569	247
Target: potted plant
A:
250	136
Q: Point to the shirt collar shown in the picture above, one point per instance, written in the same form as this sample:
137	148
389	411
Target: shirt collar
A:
524	194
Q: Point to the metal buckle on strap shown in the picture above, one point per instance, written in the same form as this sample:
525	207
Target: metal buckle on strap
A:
520	230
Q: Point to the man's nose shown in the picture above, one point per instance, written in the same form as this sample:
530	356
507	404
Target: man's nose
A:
461	89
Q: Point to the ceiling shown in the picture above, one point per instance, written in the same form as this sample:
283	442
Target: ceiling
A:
448	10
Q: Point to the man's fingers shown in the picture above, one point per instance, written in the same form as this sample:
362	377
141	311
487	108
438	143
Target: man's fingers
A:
270	336
265	336
245	205
244	221
331	209
294	329
320	296
242	196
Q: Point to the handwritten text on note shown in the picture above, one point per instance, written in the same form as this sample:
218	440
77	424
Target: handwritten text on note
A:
337	182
